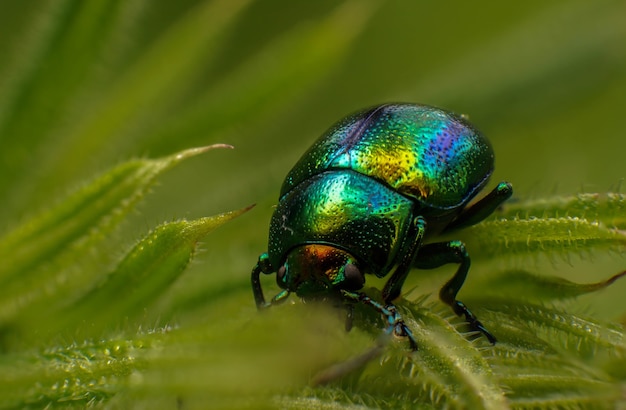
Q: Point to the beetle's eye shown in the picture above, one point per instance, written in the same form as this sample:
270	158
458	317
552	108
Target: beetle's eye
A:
353	279
280	274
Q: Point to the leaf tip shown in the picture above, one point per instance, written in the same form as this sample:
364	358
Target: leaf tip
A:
191	152
612	279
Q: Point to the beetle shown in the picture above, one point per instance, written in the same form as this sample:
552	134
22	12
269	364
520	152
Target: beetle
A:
368	197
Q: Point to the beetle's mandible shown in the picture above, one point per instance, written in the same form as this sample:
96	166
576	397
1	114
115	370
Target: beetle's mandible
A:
367	197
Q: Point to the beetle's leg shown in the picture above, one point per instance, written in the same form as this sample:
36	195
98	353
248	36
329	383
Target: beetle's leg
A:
409	250
435	255
349	316
395	324
483	208
263	265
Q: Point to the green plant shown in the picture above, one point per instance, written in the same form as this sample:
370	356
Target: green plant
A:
88	316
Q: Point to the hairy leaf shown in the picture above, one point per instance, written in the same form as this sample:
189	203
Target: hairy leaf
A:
38	256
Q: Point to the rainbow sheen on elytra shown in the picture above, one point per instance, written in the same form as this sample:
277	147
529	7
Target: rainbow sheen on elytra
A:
342	208
431	155
362	199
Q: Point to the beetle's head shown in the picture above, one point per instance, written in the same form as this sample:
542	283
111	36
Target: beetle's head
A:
316	270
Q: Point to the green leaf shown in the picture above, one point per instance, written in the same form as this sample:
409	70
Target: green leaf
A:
448	367
141	277
554	226
609	208
580	335
188	363
547	381
530	286
38	255
175	59
77	374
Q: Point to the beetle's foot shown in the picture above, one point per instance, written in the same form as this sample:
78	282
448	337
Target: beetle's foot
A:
475	324
398	327
395	324
405	331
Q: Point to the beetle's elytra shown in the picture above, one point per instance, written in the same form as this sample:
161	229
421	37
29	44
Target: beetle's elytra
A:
366	195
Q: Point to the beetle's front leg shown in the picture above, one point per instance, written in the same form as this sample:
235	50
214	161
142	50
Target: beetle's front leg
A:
408	251
395	324
483	208
263	266
435	255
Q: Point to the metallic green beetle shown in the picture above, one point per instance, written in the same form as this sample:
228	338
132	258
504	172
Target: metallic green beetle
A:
367	197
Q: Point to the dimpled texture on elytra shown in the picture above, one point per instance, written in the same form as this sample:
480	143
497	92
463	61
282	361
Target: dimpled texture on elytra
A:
343	208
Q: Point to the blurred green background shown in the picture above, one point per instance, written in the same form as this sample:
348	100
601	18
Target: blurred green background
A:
85	85
89	84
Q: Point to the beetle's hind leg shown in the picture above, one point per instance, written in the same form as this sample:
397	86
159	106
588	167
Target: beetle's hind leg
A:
435	255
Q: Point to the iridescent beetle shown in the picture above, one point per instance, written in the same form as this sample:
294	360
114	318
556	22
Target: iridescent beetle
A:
366	198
